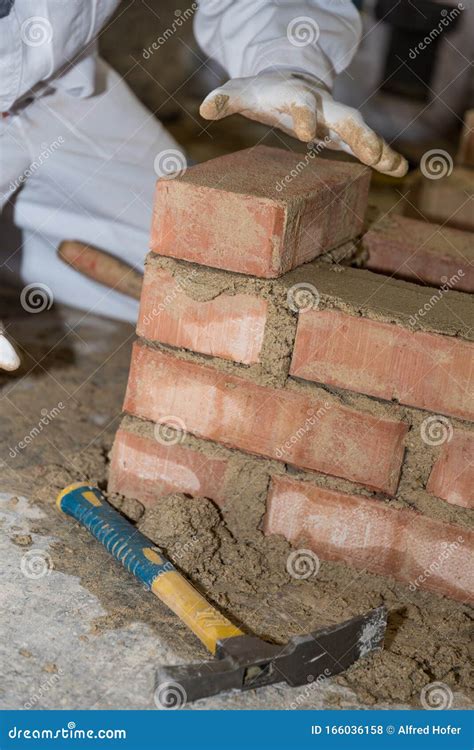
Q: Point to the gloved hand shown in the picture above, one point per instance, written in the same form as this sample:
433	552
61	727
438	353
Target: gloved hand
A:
9	359
303	107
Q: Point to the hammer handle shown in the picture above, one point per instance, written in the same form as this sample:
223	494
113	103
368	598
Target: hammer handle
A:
102	267
147	563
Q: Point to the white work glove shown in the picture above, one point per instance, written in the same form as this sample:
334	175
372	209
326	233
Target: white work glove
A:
9	359
303	107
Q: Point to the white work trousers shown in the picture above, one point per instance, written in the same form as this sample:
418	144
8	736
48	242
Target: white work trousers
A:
83	169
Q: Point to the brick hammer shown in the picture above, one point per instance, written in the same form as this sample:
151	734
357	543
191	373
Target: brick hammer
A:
242	661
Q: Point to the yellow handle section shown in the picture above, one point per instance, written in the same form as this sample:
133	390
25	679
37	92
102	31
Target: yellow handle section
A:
147	563
201	617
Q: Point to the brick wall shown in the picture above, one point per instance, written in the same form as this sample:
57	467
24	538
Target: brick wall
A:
332	405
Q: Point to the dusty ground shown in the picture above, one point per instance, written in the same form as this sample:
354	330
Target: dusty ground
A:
87	612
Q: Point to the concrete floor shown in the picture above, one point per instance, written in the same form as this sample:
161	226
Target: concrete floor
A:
54	659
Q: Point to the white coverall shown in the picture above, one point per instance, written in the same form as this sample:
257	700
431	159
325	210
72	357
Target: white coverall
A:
83	148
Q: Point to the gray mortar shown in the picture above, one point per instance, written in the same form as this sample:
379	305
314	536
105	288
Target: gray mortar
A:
360	292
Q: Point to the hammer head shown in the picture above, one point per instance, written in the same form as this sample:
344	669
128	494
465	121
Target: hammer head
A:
246	662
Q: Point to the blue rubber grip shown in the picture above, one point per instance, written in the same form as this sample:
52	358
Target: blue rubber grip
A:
130	547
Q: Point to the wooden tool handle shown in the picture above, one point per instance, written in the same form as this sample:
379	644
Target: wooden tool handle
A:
102	267
138	554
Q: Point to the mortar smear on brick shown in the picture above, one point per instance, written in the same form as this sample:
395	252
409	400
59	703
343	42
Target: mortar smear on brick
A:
203	285
246	479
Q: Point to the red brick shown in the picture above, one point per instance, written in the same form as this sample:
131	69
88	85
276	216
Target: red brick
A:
368	534
144	469
449	200
419	251
258	419
452	476
420	369
245	212
466	146
230	326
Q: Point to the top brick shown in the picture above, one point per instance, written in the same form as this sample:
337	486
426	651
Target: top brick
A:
261	211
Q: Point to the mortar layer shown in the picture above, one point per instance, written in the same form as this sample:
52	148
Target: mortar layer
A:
352	290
